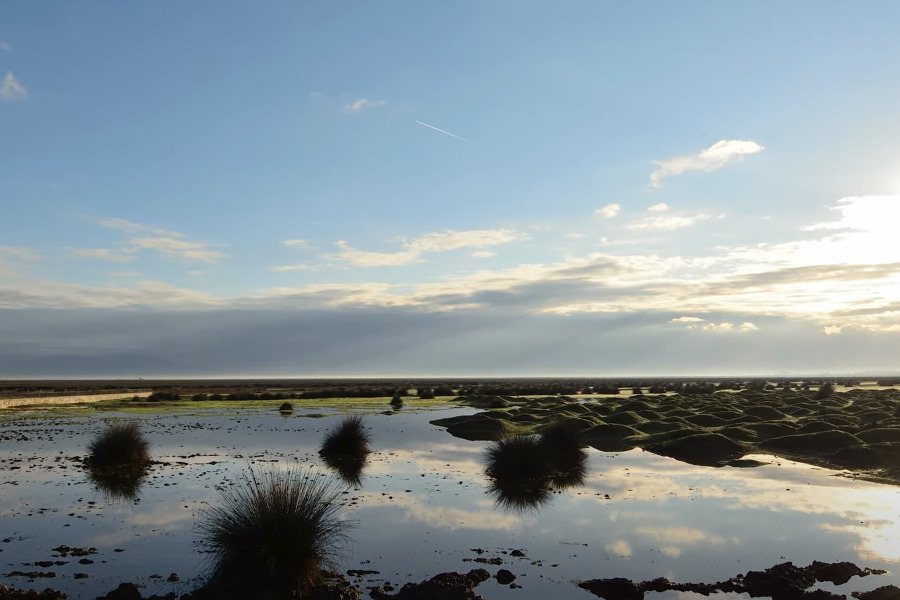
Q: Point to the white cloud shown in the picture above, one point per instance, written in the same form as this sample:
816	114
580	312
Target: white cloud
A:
360	258
154	294
106	254
659	207
5	46
295	243
18	252
619	547
668	222
179	249
444	241
483	254
413	249
285	268
169	244
609	211
362	103
703	325
130	227
11	89
709	159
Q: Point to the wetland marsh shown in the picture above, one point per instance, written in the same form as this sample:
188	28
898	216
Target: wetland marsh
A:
423	502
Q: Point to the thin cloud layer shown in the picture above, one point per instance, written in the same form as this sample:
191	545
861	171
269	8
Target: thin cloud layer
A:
709	159
362	103
168	244
11	89
831	284
413	249
609	211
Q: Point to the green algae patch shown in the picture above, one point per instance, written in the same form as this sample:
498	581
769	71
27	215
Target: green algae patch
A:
611	437
876	436
706	421
770	429
820	442
478	427
707	449
654	427
738	433
857	430
190	407
628	417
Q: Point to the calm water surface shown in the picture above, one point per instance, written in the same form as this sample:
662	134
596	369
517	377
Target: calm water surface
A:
423	508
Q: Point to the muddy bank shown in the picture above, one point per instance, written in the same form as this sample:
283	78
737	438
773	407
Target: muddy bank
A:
857	430
781	582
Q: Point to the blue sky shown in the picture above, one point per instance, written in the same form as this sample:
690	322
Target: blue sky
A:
492	187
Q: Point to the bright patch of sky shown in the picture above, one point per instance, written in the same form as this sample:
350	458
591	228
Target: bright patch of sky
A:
682	180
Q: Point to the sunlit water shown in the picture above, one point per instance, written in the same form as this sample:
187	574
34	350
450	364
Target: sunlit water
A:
423	507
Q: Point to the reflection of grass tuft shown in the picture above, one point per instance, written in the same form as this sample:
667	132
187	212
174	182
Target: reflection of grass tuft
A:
118	482
118	444
348	468
274	533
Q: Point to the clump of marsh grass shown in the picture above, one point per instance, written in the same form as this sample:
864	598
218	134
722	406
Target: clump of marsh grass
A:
566	460
345	449
348	438
273	534
515	457
523	470
516	472
119	444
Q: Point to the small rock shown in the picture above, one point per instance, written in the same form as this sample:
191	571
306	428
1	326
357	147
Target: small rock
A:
505	576
886	592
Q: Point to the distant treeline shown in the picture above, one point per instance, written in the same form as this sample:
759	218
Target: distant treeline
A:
378	387
427	389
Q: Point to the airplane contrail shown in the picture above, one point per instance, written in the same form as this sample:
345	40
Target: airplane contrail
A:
442	131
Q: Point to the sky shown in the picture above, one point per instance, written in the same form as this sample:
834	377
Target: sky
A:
467	188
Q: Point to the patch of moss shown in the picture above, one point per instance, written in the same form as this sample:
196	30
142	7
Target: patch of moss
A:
708	449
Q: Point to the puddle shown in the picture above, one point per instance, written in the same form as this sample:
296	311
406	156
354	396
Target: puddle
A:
424	507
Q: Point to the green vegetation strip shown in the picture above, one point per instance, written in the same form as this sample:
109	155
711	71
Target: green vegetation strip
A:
856	429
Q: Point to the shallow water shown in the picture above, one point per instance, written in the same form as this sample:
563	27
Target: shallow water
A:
423	507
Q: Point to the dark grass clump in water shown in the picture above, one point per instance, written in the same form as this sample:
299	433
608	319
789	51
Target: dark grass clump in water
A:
515	457
516	472
524	469
118	445
347	439
274	534
566	460
561	443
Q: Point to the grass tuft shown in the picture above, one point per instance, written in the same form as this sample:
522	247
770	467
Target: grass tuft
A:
524	469
348	438
117	445
274	533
